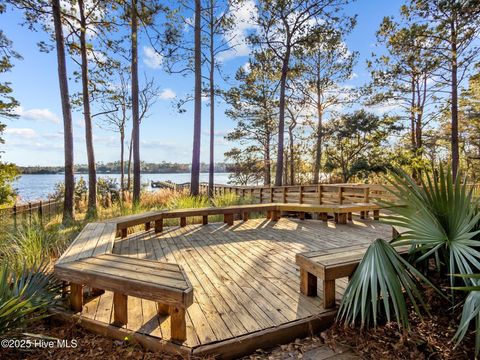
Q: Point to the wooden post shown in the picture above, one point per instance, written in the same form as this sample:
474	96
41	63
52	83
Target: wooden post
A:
148	225
342	218
158	225
300	194
245	215
284	194
163	309
350	216
340	195
124	233
261	195
40	211
204	219
178	324
15	215
183	221
272	189
320	191
366	195
376	214
228	219
30	212
301	215
120	310
328	294
76	297
308	283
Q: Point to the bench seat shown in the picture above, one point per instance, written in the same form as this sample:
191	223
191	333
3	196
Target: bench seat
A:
329	265
164	283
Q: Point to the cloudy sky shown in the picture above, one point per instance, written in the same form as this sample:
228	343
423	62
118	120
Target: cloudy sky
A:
36	138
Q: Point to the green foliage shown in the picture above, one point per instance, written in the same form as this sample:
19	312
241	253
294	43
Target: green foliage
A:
8	174
375	289
470	313
31	243
355	144
441	219
24	296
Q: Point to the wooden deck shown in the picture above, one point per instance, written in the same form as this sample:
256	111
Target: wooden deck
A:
246	282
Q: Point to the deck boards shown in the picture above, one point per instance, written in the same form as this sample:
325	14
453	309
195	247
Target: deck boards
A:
244	276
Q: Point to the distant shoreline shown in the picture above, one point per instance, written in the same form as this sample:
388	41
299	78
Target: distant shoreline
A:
117	173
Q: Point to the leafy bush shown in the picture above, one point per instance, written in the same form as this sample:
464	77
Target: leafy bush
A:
24	296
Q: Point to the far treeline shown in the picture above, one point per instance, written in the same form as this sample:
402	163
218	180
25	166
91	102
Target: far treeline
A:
114	168
297	117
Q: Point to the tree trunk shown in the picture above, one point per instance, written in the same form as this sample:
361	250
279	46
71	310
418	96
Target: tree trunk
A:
68	201
292	157
197	116
122	151
92	174
266	163
211	167
281	119
318	148
129	165
454	106
135	107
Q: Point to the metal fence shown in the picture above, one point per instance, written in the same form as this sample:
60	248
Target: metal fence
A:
41	210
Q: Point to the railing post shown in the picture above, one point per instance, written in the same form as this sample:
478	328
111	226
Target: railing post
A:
30	212
300	195
340	195
261	195
320	190
284	191
15	215
366	195
40	212
272	189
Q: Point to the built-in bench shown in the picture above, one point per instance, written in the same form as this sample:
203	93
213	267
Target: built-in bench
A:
329	265
164	283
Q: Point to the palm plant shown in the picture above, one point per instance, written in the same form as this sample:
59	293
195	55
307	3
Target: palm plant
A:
25	296
441	223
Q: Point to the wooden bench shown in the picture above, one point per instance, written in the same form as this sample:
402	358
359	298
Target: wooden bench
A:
164	283
329	265
341	212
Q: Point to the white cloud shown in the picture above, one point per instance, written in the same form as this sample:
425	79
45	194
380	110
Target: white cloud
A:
151	58
26	133
244	17
246	67
167	94
37	115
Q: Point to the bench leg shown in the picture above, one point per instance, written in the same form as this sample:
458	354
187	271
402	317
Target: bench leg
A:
76	297
124	233
183	221
204	219
328	294
148	225
269	214
158	225
376	214
245	215
120	308
228	219
324	216
275	215
163	309
308	283
350	218
362	214
342	218
179	326
301	216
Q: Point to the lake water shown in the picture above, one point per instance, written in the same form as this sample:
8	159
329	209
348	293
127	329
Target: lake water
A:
38	187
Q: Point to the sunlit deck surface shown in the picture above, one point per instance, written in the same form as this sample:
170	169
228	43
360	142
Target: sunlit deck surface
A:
246	282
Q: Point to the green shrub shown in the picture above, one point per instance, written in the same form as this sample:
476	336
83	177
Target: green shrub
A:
24	296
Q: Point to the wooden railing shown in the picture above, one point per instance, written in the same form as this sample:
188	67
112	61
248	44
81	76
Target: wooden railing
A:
307	194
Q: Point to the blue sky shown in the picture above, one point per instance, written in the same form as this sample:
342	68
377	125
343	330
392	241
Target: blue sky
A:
36	138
